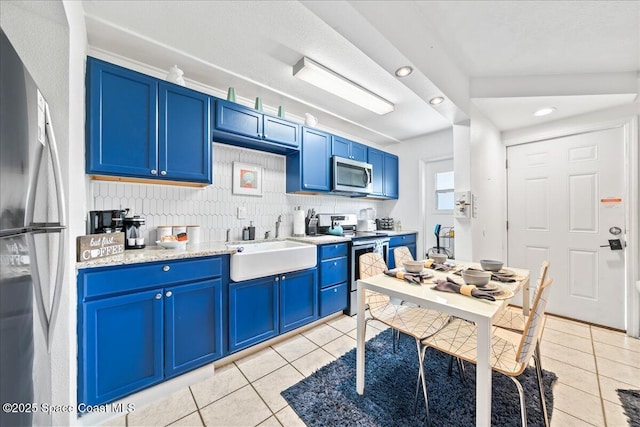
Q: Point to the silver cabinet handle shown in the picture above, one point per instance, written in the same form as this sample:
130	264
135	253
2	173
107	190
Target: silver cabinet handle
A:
168	294
158	296
335	291
259	135
277	279
163	173
154	172
166	268
266	136
284	277
335	263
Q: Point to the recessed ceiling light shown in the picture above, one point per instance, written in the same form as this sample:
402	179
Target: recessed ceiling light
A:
404	71
437	100
544	111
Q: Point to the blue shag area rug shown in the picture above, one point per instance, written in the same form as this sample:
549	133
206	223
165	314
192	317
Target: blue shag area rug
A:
631	403
329	398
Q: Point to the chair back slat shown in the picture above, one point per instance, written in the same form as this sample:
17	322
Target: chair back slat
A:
372	264
533	327
402	254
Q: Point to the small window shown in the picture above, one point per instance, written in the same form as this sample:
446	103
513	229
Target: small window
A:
444	191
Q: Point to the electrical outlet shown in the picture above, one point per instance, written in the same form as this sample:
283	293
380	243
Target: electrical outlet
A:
242	212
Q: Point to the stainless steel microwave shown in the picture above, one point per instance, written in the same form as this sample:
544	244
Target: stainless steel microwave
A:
351	176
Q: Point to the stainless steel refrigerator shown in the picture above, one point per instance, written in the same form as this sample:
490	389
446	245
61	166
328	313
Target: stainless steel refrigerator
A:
32	244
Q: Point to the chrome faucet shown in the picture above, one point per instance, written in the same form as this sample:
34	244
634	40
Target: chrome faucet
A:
267	234
278	222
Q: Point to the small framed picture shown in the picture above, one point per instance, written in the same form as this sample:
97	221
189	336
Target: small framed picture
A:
247	179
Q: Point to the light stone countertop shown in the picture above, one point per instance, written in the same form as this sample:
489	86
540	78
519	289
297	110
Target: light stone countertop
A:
321	239
157	253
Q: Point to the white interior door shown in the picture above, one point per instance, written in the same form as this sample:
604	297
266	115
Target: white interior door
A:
564	200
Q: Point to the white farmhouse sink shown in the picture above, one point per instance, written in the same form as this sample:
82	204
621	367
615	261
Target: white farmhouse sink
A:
268	258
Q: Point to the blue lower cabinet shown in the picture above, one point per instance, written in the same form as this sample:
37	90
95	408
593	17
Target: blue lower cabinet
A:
253	312
193	325
333	299
408	240
123	345
298	299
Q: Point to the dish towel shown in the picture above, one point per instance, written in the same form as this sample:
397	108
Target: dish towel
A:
411	278
450	285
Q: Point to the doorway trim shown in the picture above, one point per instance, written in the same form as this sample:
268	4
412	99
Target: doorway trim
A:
632	194
422	173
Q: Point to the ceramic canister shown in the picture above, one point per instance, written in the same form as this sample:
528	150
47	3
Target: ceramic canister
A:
193	234
163	230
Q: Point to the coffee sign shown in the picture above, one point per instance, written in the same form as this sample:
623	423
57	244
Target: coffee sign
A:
96	246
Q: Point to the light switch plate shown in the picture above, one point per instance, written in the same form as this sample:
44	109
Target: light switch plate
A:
242	212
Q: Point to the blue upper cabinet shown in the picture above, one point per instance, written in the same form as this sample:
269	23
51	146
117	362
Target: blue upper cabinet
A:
246	127
385	173
121	125
391	176
185	134
309	169
348	149
138	126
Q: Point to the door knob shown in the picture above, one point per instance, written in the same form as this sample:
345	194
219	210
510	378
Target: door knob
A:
168	294
166	268
158	296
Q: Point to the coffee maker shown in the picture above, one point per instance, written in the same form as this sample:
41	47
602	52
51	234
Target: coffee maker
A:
107	221
134	238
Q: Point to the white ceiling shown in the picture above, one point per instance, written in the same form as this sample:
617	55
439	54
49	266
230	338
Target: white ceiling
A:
252	45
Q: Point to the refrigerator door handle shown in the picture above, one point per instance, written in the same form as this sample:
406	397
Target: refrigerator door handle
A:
37	287
62	216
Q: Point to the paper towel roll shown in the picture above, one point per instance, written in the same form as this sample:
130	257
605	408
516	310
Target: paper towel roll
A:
298	223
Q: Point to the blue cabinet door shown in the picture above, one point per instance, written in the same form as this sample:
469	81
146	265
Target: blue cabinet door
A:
348	149
358	152
122	345
340	147
376	159
298	299
315	160
333	299
391	176
193	325
253	312
234	118
281	131
184	134
122	108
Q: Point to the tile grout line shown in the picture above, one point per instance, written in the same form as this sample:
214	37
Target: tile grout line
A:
250	384
595	360
193	396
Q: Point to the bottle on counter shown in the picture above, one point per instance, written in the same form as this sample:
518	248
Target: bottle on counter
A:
398	226
245	233
252	231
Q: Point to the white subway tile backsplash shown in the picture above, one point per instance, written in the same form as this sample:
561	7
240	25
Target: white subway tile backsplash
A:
214	207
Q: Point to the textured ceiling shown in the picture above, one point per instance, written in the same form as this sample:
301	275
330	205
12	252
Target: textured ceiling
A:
252	46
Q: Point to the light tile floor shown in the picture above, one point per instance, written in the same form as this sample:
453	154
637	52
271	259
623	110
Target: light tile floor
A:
590	362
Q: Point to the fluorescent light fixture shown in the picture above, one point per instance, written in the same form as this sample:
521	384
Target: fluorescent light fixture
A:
322	77
544	111
437	100
404	71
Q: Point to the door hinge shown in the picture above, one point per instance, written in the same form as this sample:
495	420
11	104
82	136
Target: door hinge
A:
506	164
507	225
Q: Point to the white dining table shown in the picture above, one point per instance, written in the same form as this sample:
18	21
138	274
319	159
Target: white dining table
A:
479	311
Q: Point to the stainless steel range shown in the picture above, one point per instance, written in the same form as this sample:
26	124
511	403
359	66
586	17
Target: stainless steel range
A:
361	242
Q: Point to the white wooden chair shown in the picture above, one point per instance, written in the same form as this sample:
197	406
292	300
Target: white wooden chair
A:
459	339
417	322
402	254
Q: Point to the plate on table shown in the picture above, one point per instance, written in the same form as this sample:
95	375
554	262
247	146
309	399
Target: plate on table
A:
173	244
504	294
489	287
504	273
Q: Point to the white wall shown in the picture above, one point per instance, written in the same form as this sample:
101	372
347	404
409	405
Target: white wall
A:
410	208
462	180
51	39
488	186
